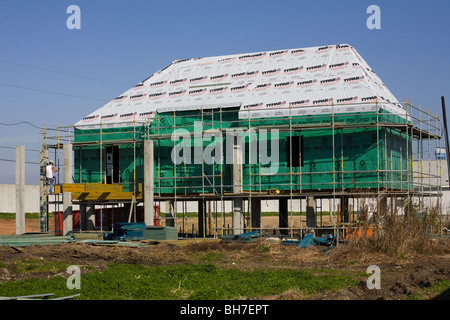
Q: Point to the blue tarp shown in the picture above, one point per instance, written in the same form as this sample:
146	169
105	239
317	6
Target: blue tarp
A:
244	237
328	240
309	241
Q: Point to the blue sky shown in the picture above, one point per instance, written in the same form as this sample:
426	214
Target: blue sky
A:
50	75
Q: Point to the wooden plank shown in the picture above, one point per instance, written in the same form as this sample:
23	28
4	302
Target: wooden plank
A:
103	187
100	191
104	196
72	187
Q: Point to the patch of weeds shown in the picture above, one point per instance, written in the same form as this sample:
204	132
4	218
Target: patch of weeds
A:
12	216
214	256
7	215
261	248
56	285
36	265
194	281
440	290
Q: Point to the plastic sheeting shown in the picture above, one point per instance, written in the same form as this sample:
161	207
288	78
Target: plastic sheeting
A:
295	82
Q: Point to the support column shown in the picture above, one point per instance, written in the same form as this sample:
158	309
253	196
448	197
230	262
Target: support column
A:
149	209
310	212
344	209
20	189
255	212
87	216
67	196
238	215
127	211
201	217
170	222
383	206
283	217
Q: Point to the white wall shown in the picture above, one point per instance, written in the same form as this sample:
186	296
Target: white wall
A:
8	198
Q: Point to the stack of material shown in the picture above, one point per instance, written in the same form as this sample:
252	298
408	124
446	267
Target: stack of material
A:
160	233
124	231
244	237
139	231
113	243
32	239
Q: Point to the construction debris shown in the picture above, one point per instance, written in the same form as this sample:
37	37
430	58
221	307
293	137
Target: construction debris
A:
110	243
310	240
244	237
39	297
139	231
32	239
126	231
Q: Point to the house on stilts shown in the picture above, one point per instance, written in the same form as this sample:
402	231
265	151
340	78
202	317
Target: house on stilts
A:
306	129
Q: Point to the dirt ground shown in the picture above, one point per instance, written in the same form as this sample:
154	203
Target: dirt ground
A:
401	278
32	225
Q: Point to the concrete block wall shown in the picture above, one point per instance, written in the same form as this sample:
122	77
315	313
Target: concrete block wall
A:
8	198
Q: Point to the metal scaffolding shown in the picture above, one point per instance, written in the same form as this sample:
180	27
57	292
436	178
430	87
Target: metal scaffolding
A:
212	190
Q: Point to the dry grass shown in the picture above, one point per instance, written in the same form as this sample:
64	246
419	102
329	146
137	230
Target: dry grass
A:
404	235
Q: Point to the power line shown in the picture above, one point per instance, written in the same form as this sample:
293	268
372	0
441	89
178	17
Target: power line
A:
9	160
12	148
51	92
63	73
18	123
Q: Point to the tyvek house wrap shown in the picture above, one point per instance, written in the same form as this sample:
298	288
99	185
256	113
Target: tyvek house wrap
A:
294	82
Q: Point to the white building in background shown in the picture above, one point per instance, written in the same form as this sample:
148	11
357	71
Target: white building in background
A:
431	174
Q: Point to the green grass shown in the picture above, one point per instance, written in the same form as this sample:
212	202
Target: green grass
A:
438	290
36	265
193	282
28	215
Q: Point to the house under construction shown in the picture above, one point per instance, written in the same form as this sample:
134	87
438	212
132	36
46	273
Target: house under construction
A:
299	127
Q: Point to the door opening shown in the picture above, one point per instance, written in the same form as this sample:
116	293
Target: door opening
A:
112	164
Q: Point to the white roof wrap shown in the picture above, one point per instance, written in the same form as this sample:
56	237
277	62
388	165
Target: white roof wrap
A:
309	80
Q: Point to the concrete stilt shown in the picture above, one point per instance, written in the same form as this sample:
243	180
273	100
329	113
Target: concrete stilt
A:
201	217
170	220
283	221
149	209
20	189
310	212
344	209
67	196
255	212
87	217
238	216
83	210
127	211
